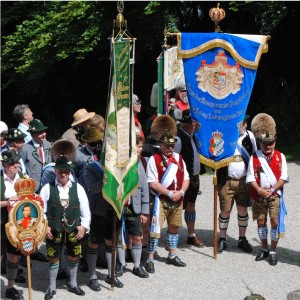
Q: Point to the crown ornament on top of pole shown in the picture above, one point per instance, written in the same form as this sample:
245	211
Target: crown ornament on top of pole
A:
217	14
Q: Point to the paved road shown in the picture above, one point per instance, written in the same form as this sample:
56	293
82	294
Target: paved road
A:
231	276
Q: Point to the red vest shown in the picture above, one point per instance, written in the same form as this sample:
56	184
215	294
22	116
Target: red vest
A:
275	164
161	169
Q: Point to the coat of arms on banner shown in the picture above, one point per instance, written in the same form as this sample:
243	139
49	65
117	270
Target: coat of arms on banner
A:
219	79
216	144
26	227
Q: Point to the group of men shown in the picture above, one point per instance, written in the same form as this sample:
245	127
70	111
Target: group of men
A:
69	180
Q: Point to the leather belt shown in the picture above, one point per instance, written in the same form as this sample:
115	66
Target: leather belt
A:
231	178
237	158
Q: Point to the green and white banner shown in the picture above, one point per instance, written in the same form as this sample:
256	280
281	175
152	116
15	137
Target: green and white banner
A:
119	157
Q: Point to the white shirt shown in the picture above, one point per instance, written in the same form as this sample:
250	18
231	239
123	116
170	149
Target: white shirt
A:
239	169
24	129
9	186
85	213
152	174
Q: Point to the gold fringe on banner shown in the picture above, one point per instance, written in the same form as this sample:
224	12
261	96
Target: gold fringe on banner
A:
215	164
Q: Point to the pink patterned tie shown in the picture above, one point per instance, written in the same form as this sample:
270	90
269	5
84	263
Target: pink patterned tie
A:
40	149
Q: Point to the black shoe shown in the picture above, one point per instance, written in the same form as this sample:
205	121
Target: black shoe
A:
262	255
222	245
83	266
12	293
117	282
49	294
175	261
149	267
62	274
273	259
244	245
76	290
140	272
39	256
20	279
120	270
94	285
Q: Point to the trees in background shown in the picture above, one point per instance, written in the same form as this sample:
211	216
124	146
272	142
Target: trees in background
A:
55	54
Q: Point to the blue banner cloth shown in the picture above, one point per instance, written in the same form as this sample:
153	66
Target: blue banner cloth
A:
219	72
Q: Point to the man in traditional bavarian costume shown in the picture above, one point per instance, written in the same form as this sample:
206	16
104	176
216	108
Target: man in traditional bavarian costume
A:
186	146
36	153
67	210
168	180
266	175
102	219
9	175
232	187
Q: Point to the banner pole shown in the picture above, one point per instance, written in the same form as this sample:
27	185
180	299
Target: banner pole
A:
29	277
113	252
215	182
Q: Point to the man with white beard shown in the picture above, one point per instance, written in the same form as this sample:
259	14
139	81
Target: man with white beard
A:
182	101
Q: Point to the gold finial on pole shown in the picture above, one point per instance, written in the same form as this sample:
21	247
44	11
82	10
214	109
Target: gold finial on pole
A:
120	21
217	14
165	45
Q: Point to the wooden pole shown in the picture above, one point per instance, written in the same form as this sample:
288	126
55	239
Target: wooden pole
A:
29	278
215	182
113	252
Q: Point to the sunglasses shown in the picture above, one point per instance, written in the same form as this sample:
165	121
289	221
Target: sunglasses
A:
268	143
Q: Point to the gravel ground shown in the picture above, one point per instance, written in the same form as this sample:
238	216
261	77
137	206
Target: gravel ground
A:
231	275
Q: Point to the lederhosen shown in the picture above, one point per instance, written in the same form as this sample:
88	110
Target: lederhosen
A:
63	222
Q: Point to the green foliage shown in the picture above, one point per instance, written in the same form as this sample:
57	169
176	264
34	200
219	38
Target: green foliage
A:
58	31
151	7
59	50
267	14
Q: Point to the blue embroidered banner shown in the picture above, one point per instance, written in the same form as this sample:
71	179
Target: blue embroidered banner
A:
219	71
